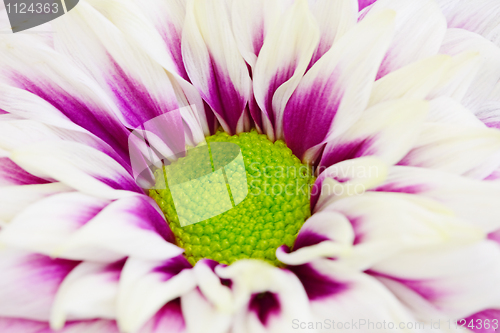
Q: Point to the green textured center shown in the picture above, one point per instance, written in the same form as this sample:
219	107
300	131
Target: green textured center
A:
236	197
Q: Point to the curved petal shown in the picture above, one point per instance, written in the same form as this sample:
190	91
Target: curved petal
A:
211	285
14	199
481	17
334	92
13	174
458	281
25	275
157	27
484	82
13	325
22	132
470	151
251	22
387	131
347	300
157	30
24	104
334	18
79	166
214	64
136	84
266	298
347	178
414	81
458	78
445	110
386	224
495	94
412	40
146	286
168	319
489	114
325	234
46	224
202	316
283	59
47	78
143	233
89	291
472	200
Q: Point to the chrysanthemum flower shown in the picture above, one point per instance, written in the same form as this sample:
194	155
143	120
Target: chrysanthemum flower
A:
389	109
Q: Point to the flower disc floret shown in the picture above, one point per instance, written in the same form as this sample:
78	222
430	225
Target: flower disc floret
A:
265	209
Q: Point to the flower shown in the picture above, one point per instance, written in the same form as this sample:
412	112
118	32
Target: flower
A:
393	107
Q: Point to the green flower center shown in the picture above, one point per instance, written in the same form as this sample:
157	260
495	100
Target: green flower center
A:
237	197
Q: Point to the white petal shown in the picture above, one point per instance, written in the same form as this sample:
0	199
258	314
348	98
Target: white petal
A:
136	84
201	316
470	151
334	18
211	287
45	225
495	94
413	40
481	17
168	319
350	301
29	282
458	281
89	291
14	199
214	64
18	133
283	59
79	166
157	30
145	286
143	233
472	200
387	130
444	110
325	234
334	92
14	325
251	277
460	75
251	22
27	105
414	81
489	114
488	76
36	72
347	178
388	223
